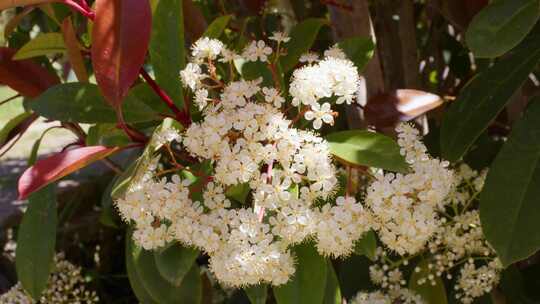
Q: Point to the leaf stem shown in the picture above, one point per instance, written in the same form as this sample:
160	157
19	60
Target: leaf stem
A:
181	116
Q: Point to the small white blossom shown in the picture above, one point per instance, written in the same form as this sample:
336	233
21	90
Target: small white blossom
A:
191	76
320	114
206	48
271	95
257	50
309	57
280	37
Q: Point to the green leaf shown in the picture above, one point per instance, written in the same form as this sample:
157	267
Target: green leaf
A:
238	192
501	26
83	103
216	28
140	166
174	262
332	293
33	153
432	294
11	124
367	245
252	70
308	284
302	38
167	47
485	96
257	294
509	205
43	44
36	240
134	280
107	215
366	148
359	50
106	135
161	291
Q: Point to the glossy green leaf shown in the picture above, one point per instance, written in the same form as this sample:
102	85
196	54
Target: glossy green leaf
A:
359	50
161	291
106	135
216	28
366	148
83	103
107	214
307	286
43	44
332	293
174	262
252	70
500	26
36	240
167	47
134	280
367	245
238	192
257	294
509	205
303	36
485	96
432	294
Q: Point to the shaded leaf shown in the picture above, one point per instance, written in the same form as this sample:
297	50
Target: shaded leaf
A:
43	44
387	109
161	291
134	280
120	39
7	131
432	294
106	135
167	47
509	206
500	26
73	50
367	245
174	262
359	50
308	283
302	37
485	96
14	73
364	148
257	294
36	240
216	28
82	102
52	168
332	293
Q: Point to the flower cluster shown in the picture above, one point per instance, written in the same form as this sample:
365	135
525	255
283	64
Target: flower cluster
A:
430	212
402	295
66	285
251	144
404	206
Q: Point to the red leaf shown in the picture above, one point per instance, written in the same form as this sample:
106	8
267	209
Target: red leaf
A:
386	109
120	39
13	3
50	169
24	76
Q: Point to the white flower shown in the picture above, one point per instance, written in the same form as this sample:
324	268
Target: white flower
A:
271	95
320	114
280	37
257	50
335	52
309	57
201	98
228	55
191	76
206	48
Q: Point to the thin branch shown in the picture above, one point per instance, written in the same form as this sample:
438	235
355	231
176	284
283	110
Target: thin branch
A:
9	99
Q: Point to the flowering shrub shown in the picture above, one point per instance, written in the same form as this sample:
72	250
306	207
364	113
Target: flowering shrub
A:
268	156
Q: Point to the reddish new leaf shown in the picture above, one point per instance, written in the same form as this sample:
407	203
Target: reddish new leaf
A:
74	53
386	109
50	169
120	39
24	76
